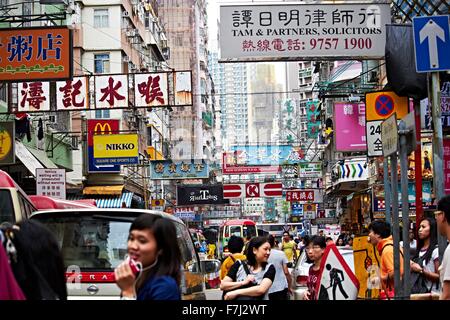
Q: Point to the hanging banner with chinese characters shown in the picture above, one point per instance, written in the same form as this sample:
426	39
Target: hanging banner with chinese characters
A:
183	88
151	90
312	112
350	126
36	54
72	94
111	91
280	32
266	155
195	169
33	96
7	144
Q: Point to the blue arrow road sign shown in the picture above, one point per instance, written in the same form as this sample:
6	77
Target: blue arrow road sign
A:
432	43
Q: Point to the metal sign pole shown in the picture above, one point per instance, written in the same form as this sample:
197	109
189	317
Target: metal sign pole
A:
405	209
395	225
387	190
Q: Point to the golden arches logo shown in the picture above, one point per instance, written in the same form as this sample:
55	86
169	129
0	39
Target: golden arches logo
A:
103	127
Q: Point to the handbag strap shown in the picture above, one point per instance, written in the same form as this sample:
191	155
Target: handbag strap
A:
245	266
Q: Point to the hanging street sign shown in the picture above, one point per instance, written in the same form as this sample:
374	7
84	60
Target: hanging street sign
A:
432	43
389	135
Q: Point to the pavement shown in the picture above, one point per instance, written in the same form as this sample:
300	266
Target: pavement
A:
213	294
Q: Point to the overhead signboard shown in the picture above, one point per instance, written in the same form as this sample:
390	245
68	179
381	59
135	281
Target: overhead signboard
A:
381	105
29	54
313	123
122	149
229	166
432	43
310	170
183	88
389	135
51	183
193	169
96	127
193	195
253	190
33	96
111	91
72	94
310	210
303	31
350	126
151	89
265	155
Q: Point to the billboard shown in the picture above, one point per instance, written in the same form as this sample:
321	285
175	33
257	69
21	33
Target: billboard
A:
265	155
116	149
281	32
194	169
28	54
350	126
99	126
194	195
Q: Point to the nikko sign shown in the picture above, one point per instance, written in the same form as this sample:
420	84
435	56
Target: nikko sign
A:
296	31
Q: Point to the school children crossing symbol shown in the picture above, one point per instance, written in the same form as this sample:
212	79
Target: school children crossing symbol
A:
384	105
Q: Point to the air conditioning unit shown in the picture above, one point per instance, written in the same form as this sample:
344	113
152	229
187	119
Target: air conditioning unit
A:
125	14
130	33
52	119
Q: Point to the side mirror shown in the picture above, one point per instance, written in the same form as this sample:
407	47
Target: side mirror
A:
210	266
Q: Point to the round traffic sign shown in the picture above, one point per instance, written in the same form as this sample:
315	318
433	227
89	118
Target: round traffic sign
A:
384	105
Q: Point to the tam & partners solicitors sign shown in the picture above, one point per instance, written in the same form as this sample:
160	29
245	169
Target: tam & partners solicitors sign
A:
293	31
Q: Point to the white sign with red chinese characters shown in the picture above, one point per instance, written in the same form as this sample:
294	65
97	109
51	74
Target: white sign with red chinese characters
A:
72	94
33	96
51	183
151	89
300	195
293	31
111	91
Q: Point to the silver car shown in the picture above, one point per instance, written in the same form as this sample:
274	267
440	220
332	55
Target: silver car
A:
94	242
301	270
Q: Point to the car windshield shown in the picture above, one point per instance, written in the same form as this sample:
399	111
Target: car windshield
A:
90	243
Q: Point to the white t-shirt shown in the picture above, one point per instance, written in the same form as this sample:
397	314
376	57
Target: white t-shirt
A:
431	268
278	258
444	269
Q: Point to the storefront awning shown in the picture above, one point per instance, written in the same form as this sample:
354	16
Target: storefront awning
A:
103	190
121	201
32	161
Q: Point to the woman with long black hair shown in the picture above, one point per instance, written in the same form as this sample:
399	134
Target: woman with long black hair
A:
425	263
152	242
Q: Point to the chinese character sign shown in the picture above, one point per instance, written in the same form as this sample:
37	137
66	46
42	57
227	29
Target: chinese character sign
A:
350	126
312	112
111	91
72	94
447	166
150	89
162	170
33	96
51	183
35	54
183	88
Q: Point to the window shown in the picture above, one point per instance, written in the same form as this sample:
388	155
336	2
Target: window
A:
101	18
101	63
102	114
6	207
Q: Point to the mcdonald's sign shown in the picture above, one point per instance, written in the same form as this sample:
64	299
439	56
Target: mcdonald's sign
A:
99	127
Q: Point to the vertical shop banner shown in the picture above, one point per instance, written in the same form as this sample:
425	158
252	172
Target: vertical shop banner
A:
183	88
72	94
36	54
33	96
111	91
350	126
98	126
7	145
447	166
151	89
51	183
312	112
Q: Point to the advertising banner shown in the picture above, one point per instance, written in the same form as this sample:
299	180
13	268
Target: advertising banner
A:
99	126
193	195
151	90
350	126
116	149
51	183
447	166
28	54
72	94
310	170
280	32
33	96
195	169
265	155
111	91
7	143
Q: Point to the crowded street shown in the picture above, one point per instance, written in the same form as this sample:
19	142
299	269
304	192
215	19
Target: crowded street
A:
219	150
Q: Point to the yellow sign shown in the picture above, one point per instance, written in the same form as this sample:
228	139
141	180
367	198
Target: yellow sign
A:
367	269
381	105
5	144
7	154
157	202
116	146
153	154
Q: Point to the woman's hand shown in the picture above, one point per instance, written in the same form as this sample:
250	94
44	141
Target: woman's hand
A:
250	279
125	279
306	295
415	267
230	295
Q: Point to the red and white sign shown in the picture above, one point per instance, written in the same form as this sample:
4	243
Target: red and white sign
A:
111	91
231	191
33	96
337	280
151	89
72	94
229	168
252	190
271	189
300	195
